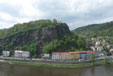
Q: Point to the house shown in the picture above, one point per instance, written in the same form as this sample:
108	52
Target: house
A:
64	55
56	55
93	48
111	51
100	48
97	43
100	54
46	56
21	54
85	55
76	55
60	56
6	53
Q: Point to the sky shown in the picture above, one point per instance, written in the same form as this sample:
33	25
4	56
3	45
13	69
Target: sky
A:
75	13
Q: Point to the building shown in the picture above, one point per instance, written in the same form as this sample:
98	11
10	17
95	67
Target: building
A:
76	55
65	55
6	53
21	54
46	56
93	48
111	51
97	43
100	48
60	55
100	54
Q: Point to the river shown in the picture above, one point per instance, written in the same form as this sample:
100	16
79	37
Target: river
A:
21	70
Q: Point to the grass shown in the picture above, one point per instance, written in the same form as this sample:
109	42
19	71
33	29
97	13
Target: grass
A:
53	65
59	65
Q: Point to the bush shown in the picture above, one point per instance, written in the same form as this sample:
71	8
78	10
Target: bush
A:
92	59
106	61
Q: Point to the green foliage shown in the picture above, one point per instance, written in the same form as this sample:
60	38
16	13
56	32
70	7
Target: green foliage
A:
92	59
106	61
67	43
33	25
94	30
51	46
31	47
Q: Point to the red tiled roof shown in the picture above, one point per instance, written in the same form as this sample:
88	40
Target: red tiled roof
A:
74	52
21	51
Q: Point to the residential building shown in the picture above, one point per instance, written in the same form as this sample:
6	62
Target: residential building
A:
6	53
46	56
21	54
76	55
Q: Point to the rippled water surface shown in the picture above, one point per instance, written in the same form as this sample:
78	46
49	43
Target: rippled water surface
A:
20	70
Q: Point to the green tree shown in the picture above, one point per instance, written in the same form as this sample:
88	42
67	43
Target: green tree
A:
92	59
106	61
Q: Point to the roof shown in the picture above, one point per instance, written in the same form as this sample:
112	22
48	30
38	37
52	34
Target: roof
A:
21	51
62	53
75	52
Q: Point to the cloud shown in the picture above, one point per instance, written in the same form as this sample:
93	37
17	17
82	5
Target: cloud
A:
75	13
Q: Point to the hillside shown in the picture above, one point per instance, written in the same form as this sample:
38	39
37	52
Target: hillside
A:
32	25
94	30
41	36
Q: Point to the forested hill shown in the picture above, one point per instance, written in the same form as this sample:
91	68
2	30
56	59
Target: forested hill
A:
32	25
104	29
41	36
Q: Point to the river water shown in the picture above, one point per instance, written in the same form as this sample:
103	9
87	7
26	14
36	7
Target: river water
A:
21	70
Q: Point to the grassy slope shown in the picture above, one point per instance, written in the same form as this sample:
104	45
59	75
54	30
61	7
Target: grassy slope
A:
58	65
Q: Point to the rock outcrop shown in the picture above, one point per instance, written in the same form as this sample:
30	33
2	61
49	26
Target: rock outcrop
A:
40	36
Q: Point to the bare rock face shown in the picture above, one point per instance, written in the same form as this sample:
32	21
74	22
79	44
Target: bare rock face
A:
41	36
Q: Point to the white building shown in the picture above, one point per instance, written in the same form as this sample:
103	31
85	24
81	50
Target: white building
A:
6	53
99	49
55	55
98	43
93	48
60	55
21	54
111	50
46	56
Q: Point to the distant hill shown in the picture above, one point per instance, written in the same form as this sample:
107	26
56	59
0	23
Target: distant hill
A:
94	30
40	36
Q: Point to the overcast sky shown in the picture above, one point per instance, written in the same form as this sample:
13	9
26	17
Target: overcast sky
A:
75	13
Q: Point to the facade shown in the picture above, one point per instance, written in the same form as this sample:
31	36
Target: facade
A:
6	53
74	55
100	54
85	55
21	54
100	48
64	55
97	48
93	48
56	56
46	56
111	51
98	43
60	56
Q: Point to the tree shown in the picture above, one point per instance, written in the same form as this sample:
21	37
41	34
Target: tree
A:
106	60
54	20
92	59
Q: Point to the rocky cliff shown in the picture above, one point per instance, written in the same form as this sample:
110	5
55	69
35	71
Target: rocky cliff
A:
40	36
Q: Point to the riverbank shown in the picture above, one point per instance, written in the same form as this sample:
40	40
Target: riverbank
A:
58	65
49	65
53	63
